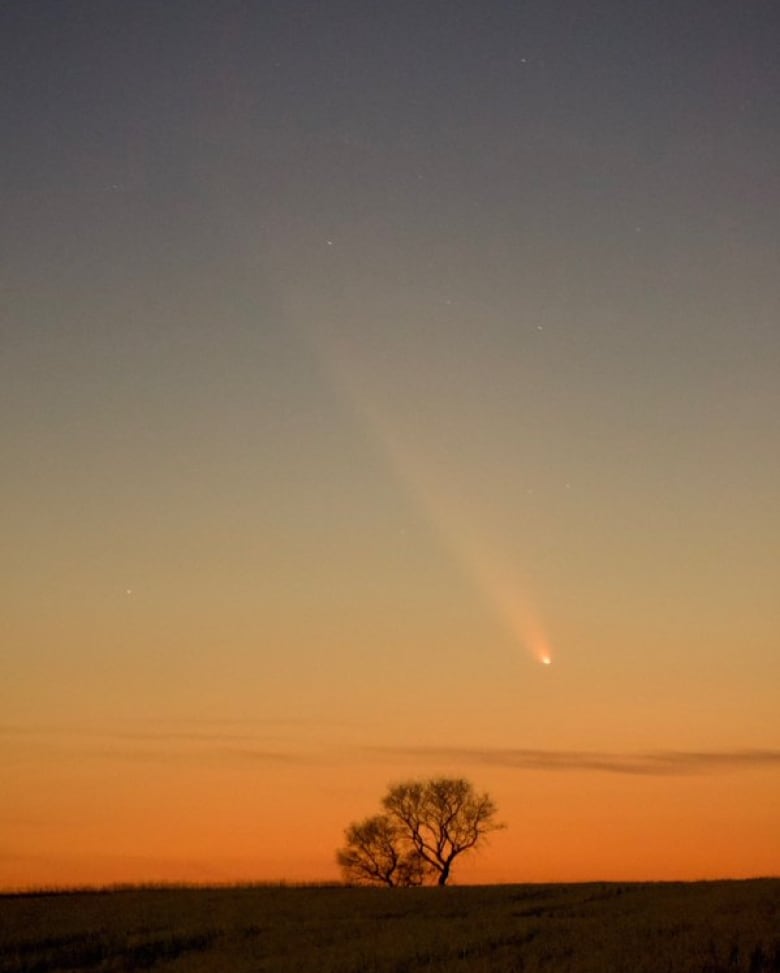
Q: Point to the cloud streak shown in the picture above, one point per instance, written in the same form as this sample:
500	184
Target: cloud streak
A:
661	763
201	744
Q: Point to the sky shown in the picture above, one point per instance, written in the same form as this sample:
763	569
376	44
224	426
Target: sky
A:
388	390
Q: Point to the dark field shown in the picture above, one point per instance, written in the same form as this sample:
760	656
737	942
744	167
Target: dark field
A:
599	928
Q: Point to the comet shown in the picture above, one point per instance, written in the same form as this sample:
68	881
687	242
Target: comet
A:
496	576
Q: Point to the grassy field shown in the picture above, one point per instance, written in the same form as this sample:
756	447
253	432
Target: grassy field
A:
704	927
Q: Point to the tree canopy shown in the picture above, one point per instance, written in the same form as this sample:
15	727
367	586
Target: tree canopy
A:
427	824
375	854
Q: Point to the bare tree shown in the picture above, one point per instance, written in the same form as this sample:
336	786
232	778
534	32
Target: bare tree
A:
427	825
375	854
441	818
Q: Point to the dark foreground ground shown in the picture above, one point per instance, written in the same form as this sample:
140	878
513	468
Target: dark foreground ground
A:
713	927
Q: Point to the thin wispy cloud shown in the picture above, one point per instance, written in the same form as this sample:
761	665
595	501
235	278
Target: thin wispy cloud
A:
659	763
166	754
200	743
145	746
199	730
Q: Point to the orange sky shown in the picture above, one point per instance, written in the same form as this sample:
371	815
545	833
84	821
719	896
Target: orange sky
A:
354	361
246	801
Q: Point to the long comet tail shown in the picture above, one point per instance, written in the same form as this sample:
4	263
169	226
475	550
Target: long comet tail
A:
499	584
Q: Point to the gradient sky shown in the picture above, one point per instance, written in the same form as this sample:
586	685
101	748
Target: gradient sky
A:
355	358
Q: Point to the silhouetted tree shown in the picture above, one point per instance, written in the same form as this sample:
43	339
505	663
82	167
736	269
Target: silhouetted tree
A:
375	854
441	818
427	825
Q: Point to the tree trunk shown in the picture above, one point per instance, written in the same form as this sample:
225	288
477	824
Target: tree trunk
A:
444	874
